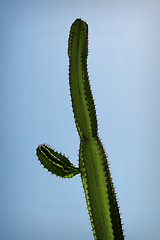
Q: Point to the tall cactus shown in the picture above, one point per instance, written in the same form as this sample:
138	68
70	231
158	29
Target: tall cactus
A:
93	164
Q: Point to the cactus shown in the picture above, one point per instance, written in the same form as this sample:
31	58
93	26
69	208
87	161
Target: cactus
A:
93	164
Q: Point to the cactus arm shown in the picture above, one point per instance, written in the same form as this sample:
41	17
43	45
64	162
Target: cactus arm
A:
55	162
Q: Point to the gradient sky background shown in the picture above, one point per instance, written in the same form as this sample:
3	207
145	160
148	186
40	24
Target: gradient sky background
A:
124	57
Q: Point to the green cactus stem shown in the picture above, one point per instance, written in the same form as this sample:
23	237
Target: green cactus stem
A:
93	164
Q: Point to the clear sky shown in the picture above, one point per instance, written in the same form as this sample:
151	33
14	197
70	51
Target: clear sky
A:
123	63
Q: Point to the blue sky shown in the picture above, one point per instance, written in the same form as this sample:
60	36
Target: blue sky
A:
35	106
